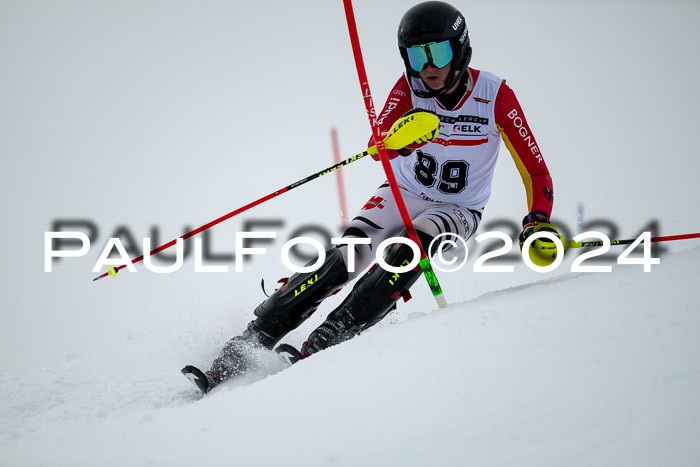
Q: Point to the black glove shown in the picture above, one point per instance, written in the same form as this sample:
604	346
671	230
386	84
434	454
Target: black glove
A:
536	217
536	221
542	251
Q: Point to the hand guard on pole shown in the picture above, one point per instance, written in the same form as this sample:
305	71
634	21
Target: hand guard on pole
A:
542	251
408	149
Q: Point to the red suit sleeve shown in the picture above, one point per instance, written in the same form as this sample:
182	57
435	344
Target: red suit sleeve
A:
521	143
397	104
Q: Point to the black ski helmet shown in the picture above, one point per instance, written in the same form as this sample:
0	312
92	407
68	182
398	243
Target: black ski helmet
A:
434	22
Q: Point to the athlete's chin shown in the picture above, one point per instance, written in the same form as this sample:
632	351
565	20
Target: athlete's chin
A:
434	84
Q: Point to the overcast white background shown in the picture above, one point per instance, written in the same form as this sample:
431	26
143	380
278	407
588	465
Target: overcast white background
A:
171	114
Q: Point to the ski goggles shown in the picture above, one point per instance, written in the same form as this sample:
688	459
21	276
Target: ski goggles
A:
437	53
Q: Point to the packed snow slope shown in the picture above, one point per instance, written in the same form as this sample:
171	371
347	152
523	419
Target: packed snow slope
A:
588	369
149	119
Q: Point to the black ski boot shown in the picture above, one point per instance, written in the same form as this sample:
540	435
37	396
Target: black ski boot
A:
281	313
235	358
298	298
239	354
370	300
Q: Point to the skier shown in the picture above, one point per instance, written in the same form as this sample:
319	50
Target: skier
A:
445	184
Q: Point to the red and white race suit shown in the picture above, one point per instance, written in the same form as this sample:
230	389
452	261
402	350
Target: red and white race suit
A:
447	182
458	165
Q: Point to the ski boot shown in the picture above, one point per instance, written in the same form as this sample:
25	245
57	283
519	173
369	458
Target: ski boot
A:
282	312
370	300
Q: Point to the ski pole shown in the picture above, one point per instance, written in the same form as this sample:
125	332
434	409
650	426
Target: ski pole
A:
573	244
371	114
398	137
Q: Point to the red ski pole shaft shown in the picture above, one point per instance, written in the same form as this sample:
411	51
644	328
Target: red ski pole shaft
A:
239	210
399	136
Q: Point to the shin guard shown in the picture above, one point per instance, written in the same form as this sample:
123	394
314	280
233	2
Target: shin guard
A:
298	298
371	299
282	312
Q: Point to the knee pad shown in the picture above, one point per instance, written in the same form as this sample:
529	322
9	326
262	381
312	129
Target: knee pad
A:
377	292
370	300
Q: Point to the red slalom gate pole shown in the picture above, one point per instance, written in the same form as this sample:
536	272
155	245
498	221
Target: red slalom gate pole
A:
376	131
339	177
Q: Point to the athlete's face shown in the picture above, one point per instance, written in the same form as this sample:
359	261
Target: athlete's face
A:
436	77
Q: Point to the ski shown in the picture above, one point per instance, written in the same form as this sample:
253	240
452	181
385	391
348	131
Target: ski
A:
197	377
286	353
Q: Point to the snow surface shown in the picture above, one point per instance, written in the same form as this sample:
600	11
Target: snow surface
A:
579	369
168	114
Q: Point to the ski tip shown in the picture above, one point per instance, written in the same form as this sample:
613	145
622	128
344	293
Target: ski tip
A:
197	377
288	354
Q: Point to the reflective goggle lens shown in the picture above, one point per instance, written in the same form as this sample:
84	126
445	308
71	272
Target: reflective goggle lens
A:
437	53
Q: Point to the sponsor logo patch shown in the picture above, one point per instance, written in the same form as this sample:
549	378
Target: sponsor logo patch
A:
548	193
374	202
